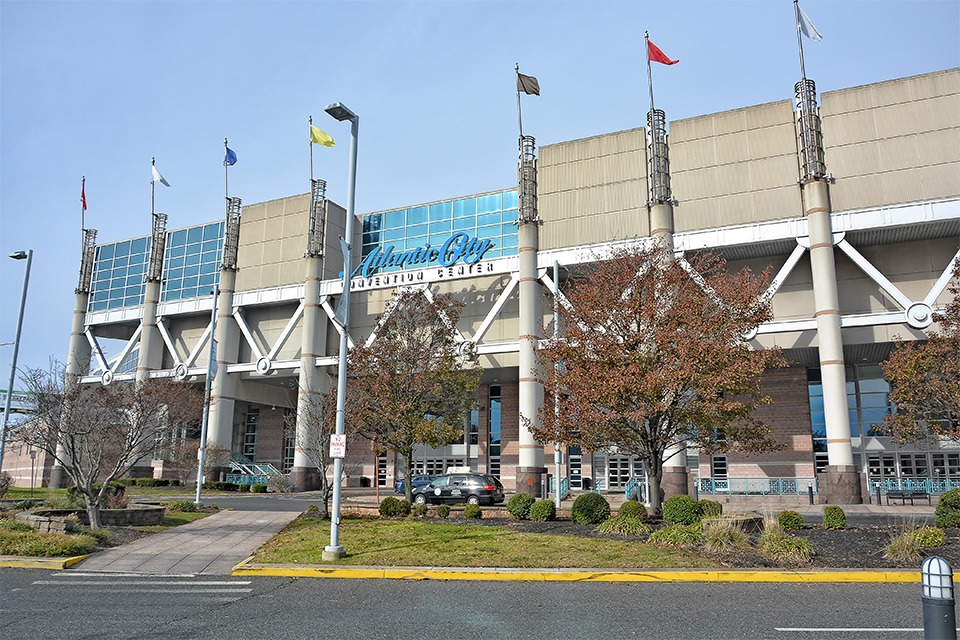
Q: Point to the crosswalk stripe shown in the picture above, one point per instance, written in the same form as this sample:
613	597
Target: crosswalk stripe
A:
206	583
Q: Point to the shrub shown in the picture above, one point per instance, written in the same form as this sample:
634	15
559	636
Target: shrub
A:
947	513
790	520
784	547
392	507
710	508
632	509
678	535
834	517
116	501
930	536
624	526
216	485
24	505
45	545
14	525
154	482
180	506
723	534
681	509
543	510
258	488
420	510
519	505
590	508
243	488
443	511
312	511
472	511
6	481
112	489
904	547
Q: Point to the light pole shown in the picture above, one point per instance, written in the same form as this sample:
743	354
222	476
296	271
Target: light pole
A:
19	255
334	551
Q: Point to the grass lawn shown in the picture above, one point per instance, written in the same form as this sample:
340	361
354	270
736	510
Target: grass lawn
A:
405	543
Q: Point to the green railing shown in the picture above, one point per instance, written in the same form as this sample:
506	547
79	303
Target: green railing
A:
564	487
756	486
636	489
926	485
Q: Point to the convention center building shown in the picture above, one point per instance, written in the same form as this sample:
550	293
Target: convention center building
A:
852	198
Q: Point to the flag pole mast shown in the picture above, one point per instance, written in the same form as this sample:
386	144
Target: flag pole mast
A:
226	183
310	142
516	69
646	41
153	188
796	13
83	206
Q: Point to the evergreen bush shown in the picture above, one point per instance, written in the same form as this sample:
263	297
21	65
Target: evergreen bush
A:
710	508
519	505
181	506
590	508
930	536
632	509
420	510
443	511
947	513
258	488
391	507
543	510
681	509
834	517
472	511
790	520
624	526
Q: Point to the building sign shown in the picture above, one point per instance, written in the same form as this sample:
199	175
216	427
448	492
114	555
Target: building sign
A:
459	247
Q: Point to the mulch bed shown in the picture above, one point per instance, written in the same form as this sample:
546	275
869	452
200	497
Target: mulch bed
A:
856	547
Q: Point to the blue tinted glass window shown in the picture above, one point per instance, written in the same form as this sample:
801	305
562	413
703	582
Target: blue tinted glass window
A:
488	232
194	235
191	270
394	219
105	252
508	243
460	224
211	232
440	211
416	215
509	216
416	230
177	250
138	246
193	258
178	237
510	199
123	248
121	261
438	239
488	219
465	207
488	203
393	234
441	226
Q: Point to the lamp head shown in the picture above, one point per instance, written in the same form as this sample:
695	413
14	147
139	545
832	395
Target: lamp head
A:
19	255
340	112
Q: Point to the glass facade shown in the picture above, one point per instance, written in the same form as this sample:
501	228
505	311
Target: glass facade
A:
494	409
191	264
490	216
191	268
118	274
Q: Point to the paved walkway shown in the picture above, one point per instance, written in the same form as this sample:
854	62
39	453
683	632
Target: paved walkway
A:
209	546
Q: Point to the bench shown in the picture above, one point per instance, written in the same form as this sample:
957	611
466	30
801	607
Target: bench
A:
911	495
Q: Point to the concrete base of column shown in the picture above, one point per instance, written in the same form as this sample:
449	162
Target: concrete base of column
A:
58	478
840	484
304	479
674	482
529	479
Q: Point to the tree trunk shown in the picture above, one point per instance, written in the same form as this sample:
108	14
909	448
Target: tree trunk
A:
93	512
326	493
408	476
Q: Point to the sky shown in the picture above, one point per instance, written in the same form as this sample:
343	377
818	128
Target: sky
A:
97	89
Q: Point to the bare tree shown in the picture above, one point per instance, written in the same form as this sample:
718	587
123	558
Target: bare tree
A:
413	385
317	414
651	357
96	432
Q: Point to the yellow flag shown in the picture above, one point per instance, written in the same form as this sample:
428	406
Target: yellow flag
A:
319	137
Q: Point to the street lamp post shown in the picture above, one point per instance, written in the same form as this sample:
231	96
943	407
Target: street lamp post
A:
19	255
334	550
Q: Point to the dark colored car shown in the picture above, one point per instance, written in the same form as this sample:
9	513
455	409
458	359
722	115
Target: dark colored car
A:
416	481
457	488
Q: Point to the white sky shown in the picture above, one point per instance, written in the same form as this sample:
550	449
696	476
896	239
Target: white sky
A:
98	88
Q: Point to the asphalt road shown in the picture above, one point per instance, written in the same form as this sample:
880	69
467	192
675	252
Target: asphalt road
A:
44	604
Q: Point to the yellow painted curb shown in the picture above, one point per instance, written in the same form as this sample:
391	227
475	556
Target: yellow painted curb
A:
27	562
246	568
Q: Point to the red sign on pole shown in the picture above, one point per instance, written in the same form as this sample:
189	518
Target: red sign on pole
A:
338	445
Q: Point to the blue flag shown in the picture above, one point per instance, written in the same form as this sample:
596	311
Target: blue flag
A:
231	158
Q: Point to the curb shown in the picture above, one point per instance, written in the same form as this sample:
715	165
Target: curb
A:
29	562
246	568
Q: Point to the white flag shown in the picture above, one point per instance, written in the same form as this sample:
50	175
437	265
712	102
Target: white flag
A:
159	178
807	28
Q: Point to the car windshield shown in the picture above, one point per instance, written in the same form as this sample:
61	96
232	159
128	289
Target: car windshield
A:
440	482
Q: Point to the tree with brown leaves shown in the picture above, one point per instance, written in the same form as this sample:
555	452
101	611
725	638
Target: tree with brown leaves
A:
925	379
96	432
651	357
413	385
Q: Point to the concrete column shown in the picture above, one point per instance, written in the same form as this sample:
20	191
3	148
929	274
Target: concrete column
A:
78	364
223	389
530	469
841	480
151	344
313	382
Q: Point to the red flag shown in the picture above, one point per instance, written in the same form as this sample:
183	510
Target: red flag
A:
83	196
654	54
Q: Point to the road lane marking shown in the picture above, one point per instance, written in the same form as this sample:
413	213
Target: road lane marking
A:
207	583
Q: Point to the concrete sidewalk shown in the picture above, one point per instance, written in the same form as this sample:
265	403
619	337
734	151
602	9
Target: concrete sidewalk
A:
209	546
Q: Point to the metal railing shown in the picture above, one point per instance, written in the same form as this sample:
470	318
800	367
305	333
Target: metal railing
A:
564	487
636	489
926	485
756	486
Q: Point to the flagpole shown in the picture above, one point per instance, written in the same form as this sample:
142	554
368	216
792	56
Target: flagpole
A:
516	68
646	41
83	205
226	183
310	142
153	188
796	13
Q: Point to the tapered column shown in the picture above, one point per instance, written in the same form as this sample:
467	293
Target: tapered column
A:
530	468
223	389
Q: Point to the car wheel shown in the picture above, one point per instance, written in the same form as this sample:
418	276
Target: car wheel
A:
473	500
420	499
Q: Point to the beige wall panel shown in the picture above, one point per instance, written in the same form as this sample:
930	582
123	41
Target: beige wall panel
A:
695	185
941	146
622	141
693	154
696	214
856	192
775	204
692	129
772	141
899	153
792	303
734	178
623	167
902	186
296	225
251	231
771	114
848	128
292	271
854	160
269	275
902	119
733	148
941	181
